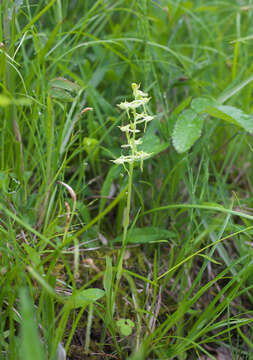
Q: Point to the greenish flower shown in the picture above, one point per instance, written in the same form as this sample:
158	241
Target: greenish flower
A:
131	130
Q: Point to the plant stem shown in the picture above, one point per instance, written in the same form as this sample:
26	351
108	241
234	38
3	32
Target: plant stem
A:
128	208
119	266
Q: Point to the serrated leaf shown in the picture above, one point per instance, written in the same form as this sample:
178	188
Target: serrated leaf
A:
187	130
233	115
84	298
146	235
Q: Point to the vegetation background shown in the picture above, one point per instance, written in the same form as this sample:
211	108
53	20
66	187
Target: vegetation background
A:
182	287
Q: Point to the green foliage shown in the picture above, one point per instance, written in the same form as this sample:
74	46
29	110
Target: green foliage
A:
188	127
187	130
180	287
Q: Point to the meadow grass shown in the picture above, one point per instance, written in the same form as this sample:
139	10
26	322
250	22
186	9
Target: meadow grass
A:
96	263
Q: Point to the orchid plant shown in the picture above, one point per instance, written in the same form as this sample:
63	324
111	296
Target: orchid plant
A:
132	131
137	116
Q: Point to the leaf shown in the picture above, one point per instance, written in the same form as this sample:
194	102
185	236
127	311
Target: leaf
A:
60	94
107	281
210	259
182	106
112	174
30	346
6	101
64	84
200	104
213	204
233	115
215	112
146	235
151	143
187	130
84	298
62	89
125	326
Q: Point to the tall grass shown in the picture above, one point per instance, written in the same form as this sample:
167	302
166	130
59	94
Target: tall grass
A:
185	290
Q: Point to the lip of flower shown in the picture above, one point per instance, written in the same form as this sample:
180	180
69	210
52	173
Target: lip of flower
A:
145	119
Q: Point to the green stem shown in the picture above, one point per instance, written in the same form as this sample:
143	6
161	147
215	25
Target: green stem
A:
88	329
128	208
119	266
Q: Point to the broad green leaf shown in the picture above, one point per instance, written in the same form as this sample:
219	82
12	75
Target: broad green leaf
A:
199	105
233	115
146	235
64	84
215	112
62	89
84	298
61	94
187	130
151	143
